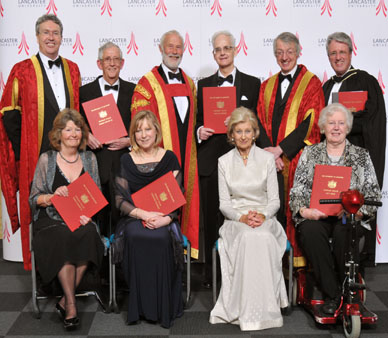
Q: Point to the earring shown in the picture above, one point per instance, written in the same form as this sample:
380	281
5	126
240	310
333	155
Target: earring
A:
232	139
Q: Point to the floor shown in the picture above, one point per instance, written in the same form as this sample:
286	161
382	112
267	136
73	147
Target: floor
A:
17	318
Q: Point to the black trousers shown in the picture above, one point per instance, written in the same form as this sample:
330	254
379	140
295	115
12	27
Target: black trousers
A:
328	261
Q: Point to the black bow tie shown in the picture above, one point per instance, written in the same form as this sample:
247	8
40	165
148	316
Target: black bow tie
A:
56	62
108	87
282	77
177	76
221	79
337	79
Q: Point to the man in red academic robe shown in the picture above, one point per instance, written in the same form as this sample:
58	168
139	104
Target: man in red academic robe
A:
288	108
36	90
169	93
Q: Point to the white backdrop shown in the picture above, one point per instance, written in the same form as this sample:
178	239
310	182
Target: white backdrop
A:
136	26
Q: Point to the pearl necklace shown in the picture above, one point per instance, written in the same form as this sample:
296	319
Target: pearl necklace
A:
67	161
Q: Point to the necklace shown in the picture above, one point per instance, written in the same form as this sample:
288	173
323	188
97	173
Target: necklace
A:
244	157
67	161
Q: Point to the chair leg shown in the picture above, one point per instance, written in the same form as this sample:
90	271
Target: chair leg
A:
35	305
112	285
188	275
290	277
214	281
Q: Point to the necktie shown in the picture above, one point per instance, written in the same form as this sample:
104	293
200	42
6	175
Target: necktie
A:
108	87
177	76
282	77
56	62
221	79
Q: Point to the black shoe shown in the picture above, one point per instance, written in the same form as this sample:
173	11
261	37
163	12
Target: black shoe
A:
331	305
207	284
60	310
71	323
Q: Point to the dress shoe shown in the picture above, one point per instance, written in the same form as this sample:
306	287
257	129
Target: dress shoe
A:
61	311
207	284
71	323
331	305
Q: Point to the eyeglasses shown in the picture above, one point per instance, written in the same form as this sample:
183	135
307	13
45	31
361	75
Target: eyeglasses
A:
289	52
226	49
341	53
109	60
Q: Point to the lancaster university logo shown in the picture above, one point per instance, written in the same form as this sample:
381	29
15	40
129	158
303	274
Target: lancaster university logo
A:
23	45
51	7
106	7
6	234
326	7
381	83
161	7
378	236
132	45
271	8
188	44
1	9
216	7
242	45
78	45
353	44
381	8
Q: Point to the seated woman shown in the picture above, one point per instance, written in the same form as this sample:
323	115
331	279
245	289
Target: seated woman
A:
314	227
153	254
252	242
60	252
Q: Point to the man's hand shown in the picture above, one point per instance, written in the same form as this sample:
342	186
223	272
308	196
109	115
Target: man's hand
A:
119	143
93	143
312	214
205	133
276	151
279	164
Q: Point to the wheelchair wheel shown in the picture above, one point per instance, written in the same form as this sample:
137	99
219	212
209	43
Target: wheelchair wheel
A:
352	326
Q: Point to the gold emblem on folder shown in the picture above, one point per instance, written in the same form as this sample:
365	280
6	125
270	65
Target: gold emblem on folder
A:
332	184
163	196
220	104
85	199
103	114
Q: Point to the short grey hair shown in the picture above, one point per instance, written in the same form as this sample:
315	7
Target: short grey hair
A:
329	110
107	45
287	37
242	114
48	17
173	31
339	37
226	33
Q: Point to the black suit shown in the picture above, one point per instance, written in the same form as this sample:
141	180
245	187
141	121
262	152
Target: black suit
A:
109	161
247	94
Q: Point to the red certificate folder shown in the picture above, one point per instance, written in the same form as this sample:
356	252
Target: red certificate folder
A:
354	101
163	195
329	182
85	198
104	118
218	104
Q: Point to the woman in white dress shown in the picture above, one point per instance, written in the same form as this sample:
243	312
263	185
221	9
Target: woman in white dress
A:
252	242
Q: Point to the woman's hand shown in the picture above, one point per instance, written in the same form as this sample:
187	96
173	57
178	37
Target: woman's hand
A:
62	191
254	219
84	219
157	222
312	214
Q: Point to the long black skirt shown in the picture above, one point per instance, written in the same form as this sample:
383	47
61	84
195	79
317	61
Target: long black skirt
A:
153	278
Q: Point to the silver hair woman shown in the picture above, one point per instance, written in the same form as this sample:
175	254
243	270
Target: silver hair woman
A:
252	241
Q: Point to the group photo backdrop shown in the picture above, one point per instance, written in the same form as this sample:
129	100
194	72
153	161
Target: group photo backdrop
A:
137	25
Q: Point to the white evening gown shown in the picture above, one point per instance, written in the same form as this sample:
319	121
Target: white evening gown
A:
253	289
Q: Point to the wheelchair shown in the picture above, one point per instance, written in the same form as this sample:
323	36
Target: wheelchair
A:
54	289
351	310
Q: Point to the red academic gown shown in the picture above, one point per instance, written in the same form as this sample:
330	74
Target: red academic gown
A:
305	99
24	92
152	93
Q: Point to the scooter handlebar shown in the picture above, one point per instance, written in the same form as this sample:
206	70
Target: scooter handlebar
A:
339	201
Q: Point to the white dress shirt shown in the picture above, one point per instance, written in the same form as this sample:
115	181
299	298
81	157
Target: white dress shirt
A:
181	102
104	92
56	80
284	85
